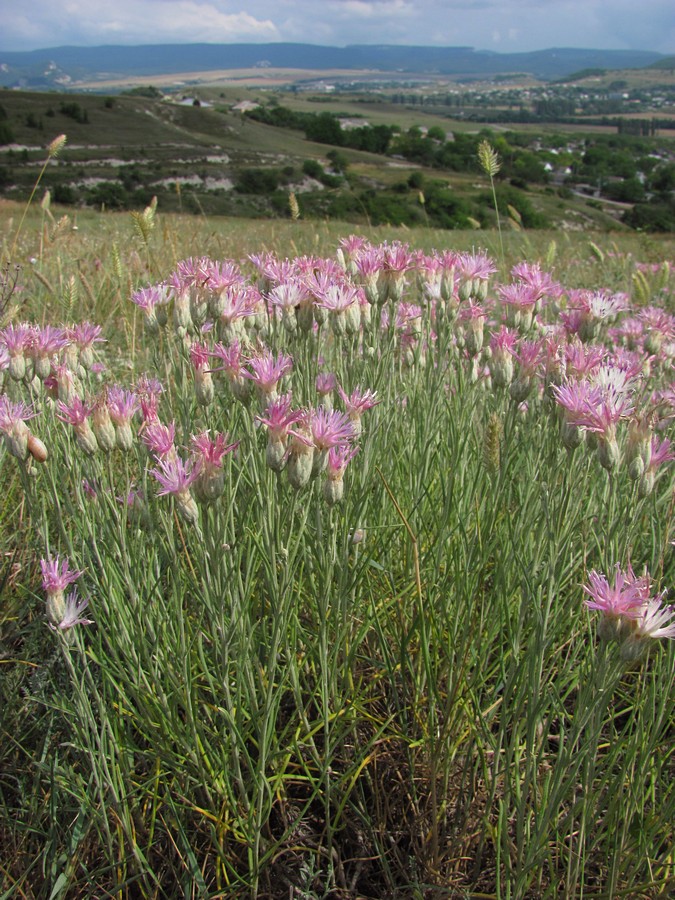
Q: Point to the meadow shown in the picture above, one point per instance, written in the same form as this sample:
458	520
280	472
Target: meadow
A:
334	565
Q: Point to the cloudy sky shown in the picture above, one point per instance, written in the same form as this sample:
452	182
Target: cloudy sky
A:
500	25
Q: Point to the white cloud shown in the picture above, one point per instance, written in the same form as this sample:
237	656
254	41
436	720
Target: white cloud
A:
136	22
517	24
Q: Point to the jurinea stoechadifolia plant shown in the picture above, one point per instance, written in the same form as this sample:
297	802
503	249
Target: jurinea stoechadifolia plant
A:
324	567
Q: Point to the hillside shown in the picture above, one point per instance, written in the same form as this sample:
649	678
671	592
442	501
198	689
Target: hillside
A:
364	159
67	67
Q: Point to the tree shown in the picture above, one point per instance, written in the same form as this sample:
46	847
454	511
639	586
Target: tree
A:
338	161
324	129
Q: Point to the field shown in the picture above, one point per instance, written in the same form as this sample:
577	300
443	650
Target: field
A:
334	562
212	159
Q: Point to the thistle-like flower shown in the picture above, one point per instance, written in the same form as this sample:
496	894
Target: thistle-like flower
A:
267	372
159	439
122	406
77	413
356	404
204	388
13	418
208	454
176	478
72	613
56	576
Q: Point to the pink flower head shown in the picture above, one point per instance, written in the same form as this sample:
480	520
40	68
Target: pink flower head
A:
209	453
660	452
540	282
223	275
192	272
369	262
339	297
72	613
159	438
475	265
626	598
122	405
199	356
602	415
84	335
17	338
232	358
330	428
503	342
175	476
358	401
352	244
519	296
148	298
582	359
12	413
470	312
289	295
149	387
237	302
655	620
148	391
48	341
578	399
268	371
279	417
325	383
272	270
74	413
57	575
338	458
530	355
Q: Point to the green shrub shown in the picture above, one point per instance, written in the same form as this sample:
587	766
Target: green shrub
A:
257	181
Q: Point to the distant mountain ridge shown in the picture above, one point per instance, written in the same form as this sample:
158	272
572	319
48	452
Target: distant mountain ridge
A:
63	67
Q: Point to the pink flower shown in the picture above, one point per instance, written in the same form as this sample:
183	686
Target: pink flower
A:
530	355
279	417
660	452
330	428
47	341
625	598
581	359
222	275
13	418
338	458
325	383
148	298
356	404
57	574
268	372
74	413
338	298
85	335
12	413
475	265
122	405
520	297
199	356
655	620
159	438
174	476
209	453
72	613
289	295
541	282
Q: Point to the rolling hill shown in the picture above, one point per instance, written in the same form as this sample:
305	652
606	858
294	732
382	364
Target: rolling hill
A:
66	67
